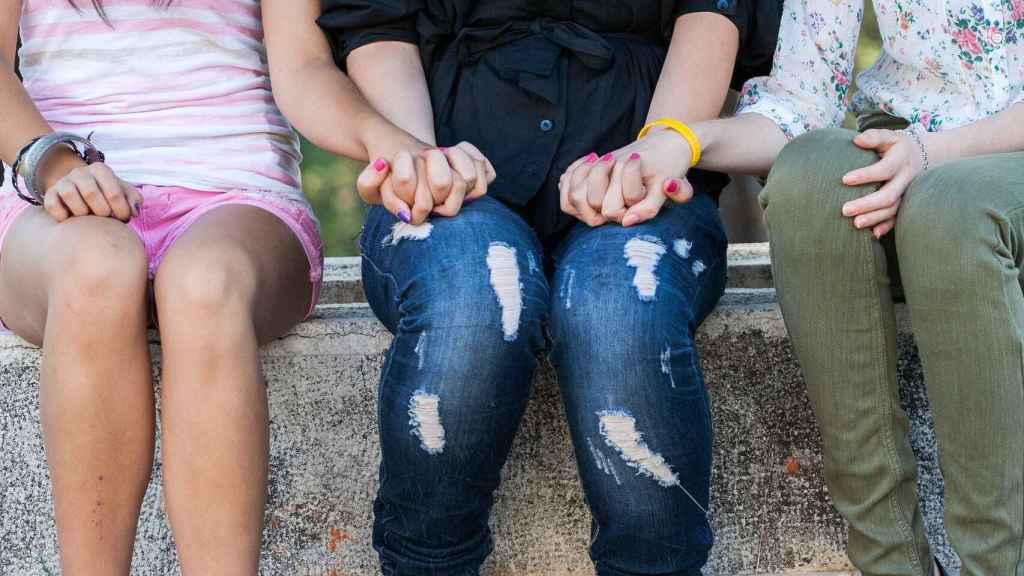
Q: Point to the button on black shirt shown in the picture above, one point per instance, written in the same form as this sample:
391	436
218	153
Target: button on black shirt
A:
535	85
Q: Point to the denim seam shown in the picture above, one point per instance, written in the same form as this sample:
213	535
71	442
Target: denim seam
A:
383	377
388	275
696	359
899	515
1008	217
1011	215
702	283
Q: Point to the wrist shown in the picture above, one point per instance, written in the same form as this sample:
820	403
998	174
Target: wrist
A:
56	165
382	139
941	147
675	145
920	156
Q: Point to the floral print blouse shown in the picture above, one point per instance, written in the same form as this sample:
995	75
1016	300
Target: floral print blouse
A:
944	63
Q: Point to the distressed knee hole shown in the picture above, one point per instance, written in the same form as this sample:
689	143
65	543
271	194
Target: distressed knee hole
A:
666	364
620	433
425	420
698	267
602	462
402	231
644	253
421	350
532	261
566	291
682	248
504	268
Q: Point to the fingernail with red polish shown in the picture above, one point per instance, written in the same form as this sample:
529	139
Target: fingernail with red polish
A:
591	158
672	187
404	216
634	156
608	157
379	165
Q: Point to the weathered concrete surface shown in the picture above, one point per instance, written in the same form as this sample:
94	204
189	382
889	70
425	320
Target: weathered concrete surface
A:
771	509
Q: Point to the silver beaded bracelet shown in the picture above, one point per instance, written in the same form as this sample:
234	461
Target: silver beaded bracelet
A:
925	164
27	165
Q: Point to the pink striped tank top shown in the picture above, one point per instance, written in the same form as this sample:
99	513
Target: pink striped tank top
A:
176	96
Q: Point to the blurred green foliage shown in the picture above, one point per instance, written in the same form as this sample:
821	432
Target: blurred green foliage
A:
329	181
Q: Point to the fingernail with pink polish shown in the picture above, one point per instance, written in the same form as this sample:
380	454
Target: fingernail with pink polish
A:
591	158
608	157
634	156
442	149
404	216
672	187
380	165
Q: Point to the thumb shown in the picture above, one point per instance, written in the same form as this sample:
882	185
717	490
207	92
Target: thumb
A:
134	197
678	190
369	182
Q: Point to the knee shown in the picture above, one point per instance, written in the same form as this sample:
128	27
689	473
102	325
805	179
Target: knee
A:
806	180
217	284
98	262
493	294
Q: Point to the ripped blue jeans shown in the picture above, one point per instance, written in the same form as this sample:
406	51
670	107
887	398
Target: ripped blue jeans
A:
470	300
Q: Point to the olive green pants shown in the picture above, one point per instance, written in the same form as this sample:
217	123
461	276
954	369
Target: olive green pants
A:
959	243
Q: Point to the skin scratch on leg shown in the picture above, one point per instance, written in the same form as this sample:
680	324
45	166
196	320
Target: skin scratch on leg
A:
644	253
402	231
619	432
425	419
501	260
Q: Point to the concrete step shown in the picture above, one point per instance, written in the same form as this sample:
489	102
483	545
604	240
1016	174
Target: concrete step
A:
749	267
771	509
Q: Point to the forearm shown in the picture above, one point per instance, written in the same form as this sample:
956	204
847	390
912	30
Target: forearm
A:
391	78
21	122
693	88
993	135
743	144
328	109
316	97
695	79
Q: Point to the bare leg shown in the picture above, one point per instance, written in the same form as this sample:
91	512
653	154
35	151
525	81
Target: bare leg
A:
79	289
237	278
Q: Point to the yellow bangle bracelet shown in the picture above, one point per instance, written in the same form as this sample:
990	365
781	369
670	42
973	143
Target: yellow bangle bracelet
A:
685	131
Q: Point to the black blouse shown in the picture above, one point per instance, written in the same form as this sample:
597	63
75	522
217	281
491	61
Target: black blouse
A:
537	84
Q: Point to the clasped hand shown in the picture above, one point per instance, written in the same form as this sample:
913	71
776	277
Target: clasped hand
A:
629	185
419	180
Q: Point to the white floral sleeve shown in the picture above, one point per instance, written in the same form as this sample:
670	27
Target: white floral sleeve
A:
810	81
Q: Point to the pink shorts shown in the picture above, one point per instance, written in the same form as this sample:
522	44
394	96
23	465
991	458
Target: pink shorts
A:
168	212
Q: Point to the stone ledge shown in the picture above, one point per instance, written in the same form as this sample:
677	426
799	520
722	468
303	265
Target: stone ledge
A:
749	267
770	507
